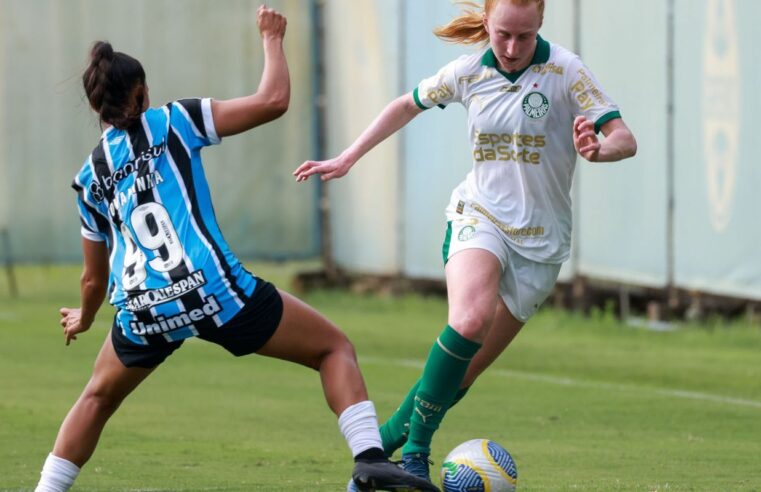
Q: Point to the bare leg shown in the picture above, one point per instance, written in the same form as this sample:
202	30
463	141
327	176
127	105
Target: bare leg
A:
503	330
472	292
306	337
110	383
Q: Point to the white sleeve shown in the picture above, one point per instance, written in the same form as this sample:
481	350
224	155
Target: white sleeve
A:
208	121
92	236
438	90
587	96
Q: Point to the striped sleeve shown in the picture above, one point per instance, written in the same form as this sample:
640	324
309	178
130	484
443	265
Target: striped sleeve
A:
94	225
193	120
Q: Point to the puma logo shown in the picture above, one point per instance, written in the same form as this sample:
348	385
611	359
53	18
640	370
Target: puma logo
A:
423	416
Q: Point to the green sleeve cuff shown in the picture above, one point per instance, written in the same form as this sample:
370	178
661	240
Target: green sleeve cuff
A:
416	97
606	118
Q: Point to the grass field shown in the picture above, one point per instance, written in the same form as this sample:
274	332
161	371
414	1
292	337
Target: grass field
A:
582	403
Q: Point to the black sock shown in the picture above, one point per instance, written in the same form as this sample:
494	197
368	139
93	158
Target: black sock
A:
370	454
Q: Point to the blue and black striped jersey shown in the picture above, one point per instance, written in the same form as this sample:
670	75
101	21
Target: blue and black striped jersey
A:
143	191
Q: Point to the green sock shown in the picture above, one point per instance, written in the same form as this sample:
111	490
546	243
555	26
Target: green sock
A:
395	430
442	375
459	396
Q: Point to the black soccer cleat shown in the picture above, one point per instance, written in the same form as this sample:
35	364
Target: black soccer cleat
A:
383	475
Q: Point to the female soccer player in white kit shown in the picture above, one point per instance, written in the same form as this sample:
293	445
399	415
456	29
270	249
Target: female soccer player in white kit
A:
532	106
151	241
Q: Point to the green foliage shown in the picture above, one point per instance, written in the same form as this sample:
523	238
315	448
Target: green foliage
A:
581	403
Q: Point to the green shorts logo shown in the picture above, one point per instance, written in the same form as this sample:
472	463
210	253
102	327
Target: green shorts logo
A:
466	233
536	105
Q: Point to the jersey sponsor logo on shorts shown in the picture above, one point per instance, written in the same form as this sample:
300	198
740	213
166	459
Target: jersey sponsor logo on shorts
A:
99	187
463	221
466	233
165	324
530	231
536	105
150	298
515	233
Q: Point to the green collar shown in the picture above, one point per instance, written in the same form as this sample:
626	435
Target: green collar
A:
541	55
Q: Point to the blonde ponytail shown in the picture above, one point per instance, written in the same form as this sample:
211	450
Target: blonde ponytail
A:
468	27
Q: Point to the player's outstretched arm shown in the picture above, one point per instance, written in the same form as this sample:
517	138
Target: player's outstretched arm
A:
394	116
619	142
270	101
93	285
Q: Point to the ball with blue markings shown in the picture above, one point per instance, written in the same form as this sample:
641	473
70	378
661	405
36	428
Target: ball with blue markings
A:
479	465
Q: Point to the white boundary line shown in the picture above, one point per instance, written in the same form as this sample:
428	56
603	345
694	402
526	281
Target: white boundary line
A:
528	376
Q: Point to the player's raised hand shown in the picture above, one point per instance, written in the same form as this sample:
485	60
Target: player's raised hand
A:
71	320
330	169
271	22
584	139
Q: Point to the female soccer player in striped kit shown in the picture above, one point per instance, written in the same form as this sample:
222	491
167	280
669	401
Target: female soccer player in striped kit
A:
532	107
151	241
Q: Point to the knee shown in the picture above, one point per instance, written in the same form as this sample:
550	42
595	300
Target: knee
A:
346	349
100	400
339	347
472	323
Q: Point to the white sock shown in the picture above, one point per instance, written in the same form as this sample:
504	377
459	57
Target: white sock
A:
57	475
359	425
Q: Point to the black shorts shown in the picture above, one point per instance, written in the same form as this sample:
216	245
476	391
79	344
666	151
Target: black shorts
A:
244	334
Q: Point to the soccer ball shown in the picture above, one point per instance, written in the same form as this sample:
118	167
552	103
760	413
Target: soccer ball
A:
479	465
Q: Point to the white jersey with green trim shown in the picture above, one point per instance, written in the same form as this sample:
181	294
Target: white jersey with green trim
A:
521	133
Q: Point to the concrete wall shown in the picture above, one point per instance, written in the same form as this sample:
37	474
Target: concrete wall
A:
188	48
680	213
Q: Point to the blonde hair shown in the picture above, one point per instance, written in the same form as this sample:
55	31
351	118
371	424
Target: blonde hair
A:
468	27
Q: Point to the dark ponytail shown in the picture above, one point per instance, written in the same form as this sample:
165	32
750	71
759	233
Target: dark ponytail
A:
114	83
